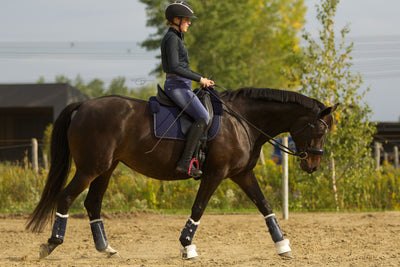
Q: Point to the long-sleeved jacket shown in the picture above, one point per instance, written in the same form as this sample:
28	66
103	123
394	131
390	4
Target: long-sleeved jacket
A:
174	56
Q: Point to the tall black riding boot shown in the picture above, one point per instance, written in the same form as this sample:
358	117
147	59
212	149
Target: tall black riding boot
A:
192	139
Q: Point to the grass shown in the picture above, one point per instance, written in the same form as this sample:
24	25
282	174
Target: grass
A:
20	190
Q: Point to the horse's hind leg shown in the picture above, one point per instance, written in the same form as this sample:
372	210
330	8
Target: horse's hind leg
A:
79	183
249	184
93	203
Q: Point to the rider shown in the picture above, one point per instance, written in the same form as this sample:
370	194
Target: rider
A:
179	76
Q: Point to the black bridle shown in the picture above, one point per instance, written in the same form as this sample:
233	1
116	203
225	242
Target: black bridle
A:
301	154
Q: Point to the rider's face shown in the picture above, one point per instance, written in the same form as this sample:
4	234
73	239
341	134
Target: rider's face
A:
185	23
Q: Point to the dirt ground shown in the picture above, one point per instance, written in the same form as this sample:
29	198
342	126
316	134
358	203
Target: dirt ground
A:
151	239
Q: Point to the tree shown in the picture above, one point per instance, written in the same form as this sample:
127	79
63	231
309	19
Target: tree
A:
96	87
237	43
325	74
118	87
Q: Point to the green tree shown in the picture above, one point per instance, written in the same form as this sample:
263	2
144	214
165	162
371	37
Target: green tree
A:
63	79
237	43
40	80
96	87
118	87
326	75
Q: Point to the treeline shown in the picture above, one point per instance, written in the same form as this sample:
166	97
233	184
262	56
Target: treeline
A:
96	87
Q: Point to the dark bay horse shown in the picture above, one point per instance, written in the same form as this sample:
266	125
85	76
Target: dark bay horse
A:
98	134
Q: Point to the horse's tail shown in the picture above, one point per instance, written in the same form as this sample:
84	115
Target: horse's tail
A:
60	164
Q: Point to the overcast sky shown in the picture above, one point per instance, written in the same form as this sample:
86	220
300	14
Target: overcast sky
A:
125	20
366	17
99	20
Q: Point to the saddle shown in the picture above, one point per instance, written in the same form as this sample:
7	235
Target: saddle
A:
167	126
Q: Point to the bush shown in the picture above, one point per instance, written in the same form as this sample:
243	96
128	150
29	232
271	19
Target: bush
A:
20	190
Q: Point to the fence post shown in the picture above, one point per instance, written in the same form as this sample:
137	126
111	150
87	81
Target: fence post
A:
285	181
45	161
262	158
334	181
35	164
396	157
377	155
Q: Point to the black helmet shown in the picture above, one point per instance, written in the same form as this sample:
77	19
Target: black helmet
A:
178	9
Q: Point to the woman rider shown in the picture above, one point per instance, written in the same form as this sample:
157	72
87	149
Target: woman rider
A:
179	79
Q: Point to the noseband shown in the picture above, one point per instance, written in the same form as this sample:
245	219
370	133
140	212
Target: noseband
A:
307	149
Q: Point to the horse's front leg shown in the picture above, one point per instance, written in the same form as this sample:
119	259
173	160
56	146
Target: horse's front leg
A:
249	184
207	188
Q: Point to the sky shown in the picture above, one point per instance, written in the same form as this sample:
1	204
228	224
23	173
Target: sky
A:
374	29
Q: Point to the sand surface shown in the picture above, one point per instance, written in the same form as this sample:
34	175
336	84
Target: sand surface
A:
151	239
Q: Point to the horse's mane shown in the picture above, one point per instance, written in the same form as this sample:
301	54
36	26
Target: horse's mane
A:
273	95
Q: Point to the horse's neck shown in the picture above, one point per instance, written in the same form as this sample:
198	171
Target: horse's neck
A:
272	118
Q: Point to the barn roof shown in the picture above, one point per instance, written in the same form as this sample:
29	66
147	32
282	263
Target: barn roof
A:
56	95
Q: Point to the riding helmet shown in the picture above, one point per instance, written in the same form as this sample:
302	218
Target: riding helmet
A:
178	9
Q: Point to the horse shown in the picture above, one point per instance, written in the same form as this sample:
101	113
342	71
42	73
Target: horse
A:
99	133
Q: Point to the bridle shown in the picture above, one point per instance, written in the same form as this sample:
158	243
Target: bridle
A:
303	154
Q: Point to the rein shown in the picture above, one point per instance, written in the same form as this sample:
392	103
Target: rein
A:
303	154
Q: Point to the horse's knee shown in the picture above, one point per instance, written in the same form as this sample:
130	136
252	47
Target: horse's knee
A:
264	207
197	212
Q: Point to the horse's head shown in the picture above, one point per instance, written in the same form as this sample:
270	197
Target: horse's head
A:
309	136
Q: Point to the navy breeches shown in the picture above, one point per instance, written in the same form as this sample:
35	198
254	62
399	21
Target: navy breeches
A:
179	90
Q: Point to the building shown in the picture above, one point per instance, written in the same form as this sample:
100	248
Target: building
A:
388	136
25	112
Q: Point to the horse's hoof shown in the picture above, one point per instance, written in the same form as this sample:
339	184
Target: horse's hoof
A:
189	253
114	255
111	253
287	255
44	251
191	259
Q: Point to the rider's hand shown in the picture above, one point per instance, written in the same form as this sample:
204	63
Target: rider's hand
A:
206	82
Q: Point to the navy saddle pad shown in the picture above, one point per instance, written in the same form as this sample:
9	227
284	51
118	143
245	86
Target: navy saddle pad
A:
165	127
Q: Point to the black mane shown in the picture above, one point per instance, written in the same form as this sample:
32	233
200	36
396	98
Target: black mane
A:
274	95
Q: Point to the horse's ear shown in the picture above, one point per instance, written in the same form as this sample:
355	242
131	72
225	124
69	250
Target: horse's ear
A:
329	110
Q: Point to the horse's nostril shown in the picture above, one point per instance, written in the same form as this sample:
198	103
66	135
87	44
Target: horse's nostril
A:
311	170
314	169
